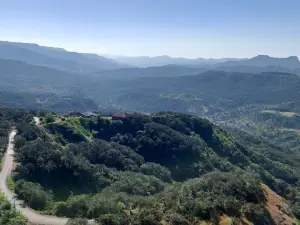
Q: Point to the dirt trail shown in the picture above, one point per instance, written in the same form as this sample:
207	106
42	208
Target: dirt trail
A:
37	120
32	216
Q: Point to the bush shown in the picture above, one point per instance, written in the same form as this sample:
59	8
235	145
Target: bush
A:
77	222
114	219
32	194
9	215
77	206
49	118
137	184
19	142
157	170
177	219
61	209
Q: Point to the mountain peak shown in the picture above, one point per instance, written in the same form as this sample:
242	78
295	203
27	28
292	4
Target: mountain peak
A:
265	60
262	57
293	58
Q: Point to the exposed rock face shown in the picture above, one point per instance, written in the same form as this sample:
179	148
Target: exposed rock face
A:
277	208
275	205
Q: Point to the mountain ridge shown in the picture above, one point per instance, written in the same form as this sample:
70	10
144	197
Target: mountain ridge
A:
57	58
60	58
291	62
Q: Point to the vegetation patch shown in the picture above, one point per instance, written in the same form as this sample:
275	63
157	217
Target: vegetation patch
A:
10	183
171	167
8	214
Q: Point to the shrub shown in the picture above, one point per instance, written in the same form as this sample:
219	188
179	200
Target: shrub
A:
77	206
32	194
114	219
49	118
137	184
157	170
77	222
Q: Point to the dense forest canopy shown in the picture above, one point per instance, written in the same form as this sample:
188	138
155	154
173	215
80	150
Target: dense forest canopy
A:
146	169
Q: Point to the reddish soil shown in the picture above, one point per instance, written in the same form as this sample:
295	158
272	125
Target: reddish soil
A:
277	208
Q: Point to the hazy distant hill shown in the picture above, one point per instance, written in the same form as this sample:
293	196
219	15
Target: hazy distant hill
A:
258	64
161	71
173	87
34	87
46	100
146	61
55	57
18	74
291	62
207	93
255	69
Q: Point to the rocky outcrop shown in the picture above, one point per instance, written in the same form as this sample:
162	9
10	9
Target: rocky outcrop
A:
277	208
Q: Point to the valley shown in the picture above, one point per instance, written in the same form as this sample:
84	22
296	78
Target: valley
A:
213	143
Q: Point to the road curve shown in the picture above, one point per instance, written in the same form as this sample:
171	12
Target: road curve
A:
32	216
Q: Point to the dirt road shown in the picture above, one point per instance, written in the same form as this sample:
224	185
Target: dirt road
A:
37	120
32	216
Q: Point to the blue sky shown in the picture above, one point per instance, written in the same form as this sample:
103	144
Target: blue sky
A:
179	28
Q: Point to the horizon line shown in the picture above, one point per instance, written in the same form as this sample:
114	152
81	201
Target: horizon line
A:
115	56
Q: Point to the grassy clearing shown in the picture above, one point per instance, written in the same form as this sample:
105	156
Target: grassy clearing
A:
226	221
287	114
269	111
284	114
297	131
74	123
106	117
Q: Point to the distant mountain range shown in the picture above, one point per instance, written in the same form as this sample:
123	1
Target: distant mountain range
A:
146	61
57	58
291	62
171	87
207	93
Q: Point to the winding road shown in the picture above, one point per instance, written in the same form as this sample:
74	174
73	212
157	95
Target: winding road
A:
33	217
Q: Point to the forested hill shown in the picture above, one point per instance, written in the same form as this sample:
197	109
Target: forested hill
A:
163	168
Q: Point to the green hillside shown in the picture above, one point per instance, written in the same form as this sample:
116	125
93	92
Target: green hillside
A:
163	168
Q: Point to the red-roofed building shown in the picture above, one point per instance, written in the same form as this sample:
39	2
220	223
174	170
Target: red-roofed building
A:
120	116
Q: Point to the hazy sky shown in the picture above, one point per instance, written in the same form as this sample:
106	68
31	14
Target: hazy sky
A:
187	28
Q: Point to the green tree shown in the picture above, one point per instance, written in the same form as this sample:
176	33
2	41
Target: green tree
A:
49	118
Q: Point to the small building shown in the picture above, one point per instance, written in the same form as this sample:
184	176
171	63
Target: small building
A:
120	116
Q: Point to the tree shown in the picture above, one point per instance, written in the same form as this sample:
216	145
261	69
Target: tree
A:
157	170
49	118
